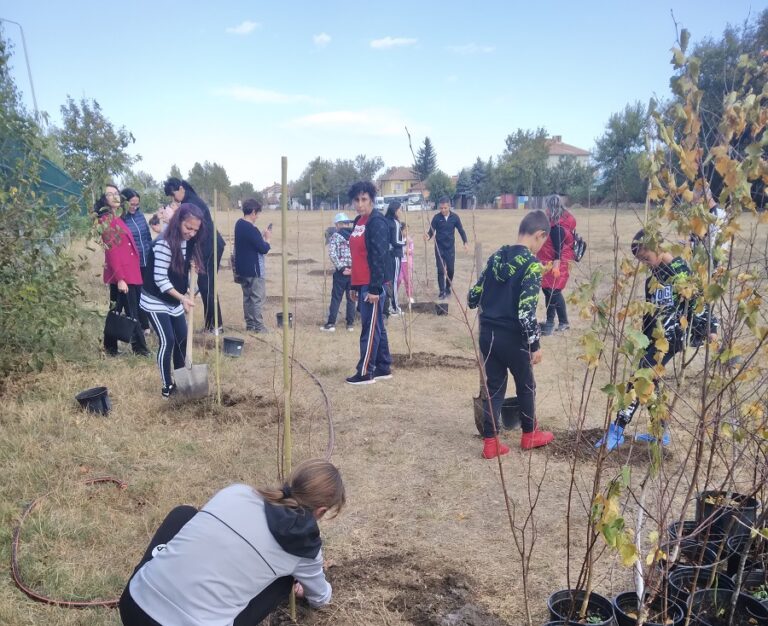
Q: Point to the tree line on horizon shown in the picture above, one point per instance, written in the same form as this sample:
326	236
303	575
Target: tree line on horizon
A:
92	150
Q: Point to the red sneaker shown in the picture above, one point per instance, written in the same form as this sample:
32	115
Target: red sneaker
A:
491	450
535	439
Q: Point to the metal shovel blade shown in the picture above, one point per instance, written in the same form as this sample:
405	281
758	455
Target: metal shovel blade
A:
192	382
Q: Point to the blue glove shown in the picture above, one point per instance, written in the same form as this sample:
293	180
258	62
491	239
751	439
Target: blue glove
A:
612	439
649	438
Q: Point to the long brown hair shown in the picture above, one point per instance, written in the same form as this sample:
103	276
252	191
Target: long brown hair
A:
172	236
314	484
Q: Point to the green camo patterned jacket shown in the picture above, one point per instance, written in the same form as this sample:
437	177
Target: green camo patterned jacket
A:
507	292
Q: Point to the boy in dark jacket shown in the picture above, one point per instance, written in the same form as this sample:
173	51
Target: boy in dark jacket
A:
663	289
442	227
250	264
507	293
369	248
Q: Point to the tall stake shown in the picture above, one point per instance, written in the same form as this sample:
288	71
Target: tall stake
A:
216	294
324	255
286	333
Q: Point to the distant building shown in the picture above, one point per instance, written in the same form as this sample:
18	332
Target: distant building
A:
272	196
558	150
397	181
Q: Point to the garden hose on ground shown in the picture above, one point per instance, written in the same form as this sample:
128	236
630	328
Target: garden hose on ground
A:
16	572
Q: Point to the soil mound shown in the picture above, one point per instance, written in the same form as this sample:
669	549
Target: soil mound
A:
582	444
427	359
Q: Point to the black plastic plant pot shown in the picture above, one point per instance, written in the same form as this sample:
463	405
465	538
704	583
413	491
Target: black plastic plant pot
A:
710	607
693	530
95	400
233	346
565	605
692	554
755	584
725	509
756	559
660	613
682	582
510	413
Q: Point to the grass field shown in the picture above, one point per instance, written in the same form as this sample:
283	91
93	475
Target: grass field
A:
425	533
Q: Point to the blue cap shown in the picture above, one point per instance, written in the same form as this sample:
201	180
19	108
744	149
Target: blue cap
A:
341	217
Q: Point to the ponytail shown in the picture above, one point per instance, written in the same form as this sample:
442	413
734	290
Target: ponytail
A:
312	485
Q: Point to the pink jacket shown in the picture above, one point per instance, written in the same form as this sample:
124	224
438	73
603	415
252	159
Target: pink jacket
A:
121	260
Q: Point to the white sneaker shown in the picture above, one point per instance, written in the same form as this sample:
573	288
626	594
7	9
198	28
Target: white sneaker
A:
411	300
328	328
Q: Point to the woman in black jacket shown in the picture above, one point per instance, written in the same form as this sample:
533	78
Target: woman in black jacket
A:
182	191
396	243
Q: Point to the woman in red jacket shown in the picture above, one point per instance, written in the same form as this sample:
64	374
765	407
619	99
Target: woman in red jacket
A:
556	255
121	268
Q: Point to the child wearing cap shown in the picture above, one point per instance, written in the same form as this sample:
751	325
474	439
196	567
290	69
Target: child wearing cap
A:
338	252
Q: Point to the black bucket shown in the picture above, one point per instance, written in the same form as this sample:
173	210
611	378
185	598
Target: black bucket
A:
95	400
727	511
233	346
280	320
510	413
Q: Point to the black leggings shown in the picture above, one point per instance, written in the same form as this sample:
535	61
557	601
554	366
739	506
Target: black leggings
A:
555	304
262	605
205	284
171	331
503	351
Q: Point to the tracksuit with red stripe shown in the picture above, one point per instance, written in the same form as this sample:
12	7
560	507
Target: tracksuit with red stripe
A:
369	247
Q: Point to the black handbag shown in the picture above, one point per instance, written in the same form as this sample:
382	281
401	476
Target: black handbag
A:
119	325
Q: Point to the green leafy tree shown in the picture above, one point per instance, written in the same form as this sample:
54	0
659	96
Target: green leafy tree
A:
464	185
367	168
426	160
440	184
322	180
523	166
618	155
570	177
175	172
39	292
93	150
147	187
242	191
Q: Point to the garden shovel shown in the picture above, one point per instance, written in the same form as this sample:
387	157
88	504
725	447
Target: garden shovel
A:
191	380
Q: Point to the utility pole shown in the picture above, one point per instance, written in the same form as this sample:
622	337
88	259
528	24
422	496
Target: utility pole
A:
29	69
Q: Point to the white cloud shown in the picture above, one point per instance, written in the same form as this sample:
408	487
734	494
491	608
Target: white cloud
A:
471	48
321	40
244	28
243	93
370	122
392	42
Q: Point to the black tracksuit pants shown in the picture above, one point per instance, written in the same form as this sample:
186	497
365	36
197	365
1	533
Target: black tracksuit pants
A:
262	605
445	260
503	351
555	304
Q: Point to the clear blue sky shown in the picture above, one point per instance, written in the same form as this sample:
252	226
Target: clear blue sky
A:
243	83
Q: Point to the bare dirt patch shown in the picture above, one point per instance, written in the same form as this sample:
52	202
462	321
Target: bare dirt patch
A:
328	272
570	443
235	407
416	592
279	299
427	359
300	261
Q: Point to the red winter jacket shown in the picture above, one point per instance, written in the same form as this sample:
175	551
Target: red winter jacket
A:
559	245
121	259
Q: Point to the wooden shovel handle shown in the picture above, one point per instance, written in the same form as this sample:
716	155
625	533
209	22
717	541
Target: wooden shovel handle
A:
190	319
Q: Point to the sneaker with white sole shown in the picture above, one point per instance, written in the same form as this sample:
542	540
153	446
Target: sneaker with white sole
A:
350	329
357	379
385	375
328	328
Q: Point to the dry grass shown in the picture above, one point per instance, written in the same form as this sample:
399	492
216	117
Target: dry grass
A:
425	524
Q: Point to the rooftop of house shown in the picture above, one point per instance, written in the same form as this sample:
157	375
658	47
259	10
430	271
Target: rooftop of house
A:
558	148
399	173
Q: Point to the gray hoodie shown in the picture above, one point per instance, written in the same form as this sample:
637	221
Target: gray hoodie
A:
225	556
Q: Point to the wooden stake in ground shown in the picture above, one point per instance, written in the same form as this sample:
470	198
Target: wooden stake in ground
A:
216	295
322	252
286	353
